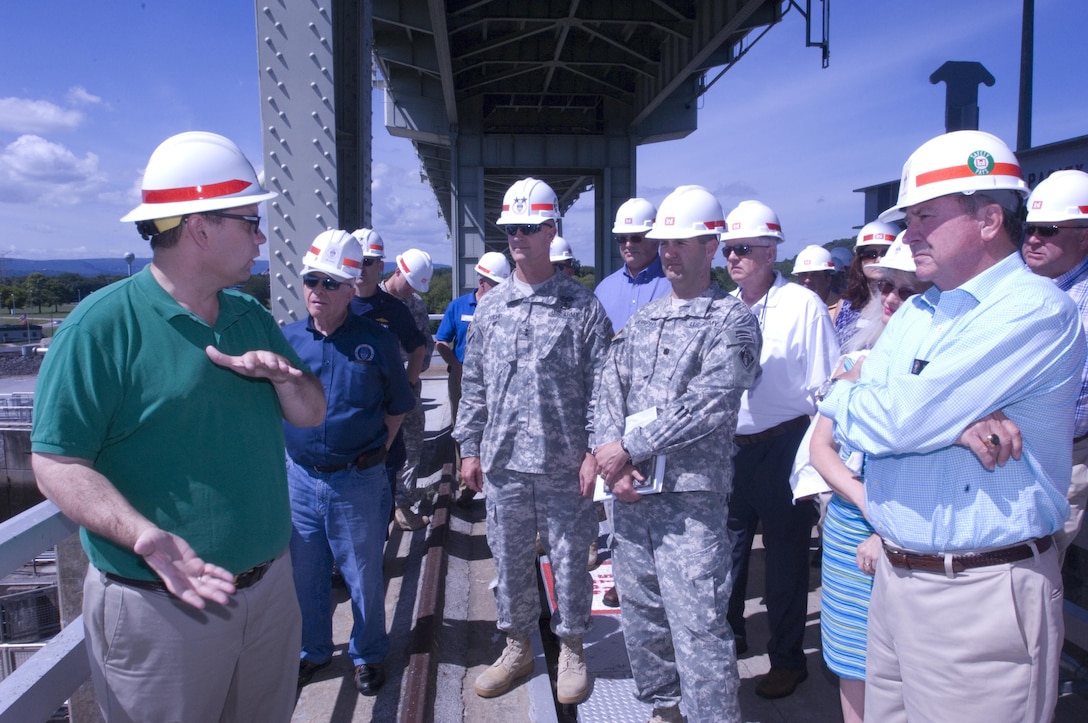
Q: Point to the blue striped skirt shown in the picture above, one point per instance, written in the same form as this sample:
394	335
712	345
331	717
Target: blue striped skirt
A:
845	592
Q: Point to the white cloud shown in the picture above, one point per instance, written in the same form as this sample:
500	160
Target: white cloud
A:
22	115
34	170
78	95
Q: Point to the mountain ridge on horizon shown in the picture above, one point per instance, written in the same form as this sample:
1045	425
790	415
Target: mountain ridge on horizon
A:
10	267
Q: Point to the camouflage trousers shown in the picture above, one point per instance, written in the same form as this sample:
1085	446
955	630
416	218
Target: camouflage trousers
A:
518	506
672	567
406	492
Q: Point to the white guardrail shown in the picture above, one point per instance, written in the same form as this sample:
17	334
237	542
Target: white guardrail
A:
39	686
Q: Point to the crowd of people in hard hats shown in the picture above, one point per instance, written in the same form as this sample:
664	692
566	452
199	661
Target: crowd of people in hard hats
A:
922	402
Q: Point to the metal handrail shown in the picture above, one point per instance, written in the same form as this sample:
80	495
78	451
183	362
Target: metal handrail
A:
39	686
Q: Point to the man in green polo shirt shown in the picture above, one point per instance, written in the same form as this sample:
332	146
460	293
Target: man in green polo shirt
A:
158	429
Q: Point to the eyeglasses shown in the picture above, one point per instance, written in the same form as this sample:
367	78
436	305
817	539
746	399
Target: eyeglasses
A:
328	284
527	229
370	260
887	287
1045	231
741	250
255	220
871	254
633	238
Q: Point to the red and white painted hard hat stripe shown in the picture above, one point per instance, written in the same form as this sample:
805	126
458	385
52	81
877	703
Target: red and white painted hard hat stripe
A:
403	266
963	171
194	193
483	270
351	263
534	207
876	237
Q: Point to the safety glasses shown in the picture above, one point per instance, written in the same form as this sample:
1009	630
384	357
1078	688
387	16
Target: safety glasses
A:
623	238
370	260
741	250
871	254
887	287
255	220
1045	231
328	284
526	229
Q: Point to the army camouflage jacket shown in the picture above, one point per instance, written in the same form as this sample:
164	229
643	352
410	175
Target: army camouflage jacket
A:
531	364
692	363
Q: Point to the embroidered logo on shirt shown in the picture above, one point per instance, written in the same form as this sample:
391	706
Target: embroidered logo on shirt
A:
364	353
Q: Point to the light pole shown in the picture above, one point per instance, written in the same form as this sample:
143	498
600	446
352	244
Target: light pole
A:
129	258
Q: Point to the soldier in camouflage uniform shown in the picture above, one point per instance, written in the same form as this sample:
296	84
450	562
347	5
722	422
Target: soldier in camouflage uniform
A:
690	355
412	274
535	347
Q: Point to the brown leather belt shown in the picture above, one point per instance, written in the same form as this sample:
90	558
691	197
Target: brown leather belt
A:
242	580
747	440
366	460
959	563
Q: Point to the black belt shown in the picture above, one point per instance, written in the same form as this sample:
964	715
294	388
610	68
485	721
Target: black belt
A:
242	580
961	562
366	460
746	440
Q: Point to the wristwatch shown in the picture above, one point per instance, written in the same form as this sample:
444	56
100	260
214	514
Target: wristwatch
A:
825	389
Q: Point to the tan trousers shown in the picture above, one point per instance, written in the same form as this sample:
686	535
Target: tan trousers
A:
1077	496
154	658
981	646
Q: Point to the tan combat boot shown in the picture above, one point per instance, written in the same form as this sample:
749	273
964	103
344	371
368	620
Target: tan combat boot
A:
671	714
572	682
515	662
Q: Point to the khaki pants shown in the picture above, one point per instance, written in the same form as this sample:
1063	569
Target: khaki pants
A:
1077	496
155	658
983	645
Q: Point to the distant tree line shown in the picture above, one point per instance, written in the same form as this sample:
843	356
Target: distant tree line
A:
41	291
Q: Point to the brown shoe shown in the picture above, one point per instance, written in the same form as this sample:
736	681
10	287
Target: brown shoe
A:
780	682
611	597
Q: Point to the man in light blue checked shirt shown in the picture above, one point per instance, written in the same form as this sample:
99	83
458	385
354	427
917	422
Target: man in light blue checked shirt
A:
1056	246
966	615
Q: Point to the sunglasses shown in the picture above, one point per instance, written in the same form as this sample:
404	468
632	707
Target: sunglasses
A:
887	287
370	260
871	254
527	229
633	238
1045	231
328	284
255	220
741	250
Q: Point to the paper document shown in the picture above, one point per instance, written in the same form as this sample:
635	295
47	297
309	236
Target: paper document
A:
652	469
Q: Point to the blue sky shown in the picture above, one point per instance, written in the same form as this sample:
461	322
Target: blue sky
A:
87	93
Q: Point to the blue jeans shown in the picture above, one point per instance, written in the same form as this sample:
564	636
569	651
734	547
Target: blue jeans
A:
342	517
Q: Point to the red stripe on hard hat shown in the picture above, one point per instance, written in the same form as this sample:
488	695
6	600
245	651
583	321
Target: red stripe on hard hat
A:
352	263
315	250
541	207
964	171
878	236
403	266
1083	209
774	227
483	270
195	193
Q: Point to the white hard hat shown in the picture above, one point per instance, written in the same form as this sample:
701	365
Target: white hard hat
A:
373	246
416	267
752	219
336	253
195	172
841	257
494	266
876	233
560	250
687	212
813	258
1062	196
635	215
897	258
958	162
528	201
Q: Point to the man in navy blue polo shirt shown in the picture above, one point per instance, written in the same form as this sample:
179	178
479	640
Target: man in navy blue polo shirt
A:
340	496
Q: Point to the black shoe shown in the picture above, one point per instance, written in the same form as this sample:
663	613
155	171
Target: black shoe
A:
741	645
307	670
780	682
369	678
